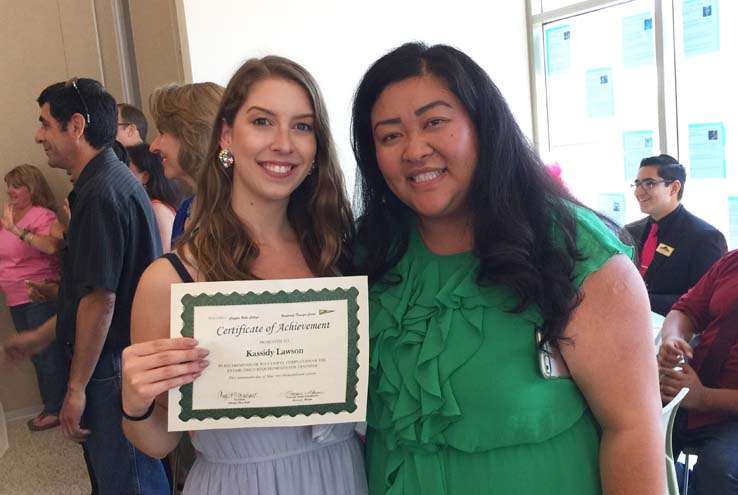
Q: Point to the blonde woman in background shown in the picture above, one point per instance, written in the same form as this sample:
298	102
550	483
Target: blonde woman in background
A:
184	117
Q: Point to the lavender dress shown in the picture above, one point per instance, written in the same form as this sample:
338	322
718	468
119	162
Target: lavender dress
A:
320	460
299	460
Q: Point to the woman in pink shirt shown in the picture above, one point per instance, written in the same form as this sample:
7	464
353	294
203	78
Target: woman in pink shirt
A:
28	252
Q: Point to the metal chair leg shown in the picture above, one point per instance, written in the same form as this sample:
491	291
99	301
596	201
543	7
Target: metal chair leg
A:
685	478
687	451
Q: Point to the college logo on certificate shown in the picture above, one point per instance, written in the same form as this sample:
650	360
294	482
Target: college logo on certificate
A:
282	352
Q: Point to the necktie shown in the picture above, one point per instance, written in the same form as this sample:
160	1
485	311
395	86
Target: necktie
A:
649	248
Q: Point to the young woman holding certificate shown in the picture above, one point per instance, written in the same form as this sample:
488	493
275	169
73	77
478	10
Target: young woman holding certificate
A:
271	205
471	248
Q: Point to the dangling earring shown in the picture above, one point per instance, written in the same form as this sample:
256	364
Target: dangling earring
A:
312	167
225	157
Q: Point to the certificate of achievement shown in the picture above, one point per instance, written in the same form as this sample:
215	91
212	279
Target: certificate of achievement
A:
282	352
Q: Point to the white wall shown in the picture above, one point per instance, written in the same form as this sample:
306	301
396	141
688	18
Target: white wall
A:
338	40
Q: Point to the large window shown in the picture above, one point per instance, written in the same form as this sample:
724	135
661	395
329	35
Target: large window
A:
706	50
618	81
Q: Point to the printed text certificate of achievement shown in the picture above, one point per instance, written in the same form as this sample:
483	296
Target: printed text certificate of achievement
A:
282	352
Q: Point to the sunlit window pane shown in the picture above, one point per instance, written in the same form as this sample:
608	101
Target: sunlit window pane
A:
706	53
602	102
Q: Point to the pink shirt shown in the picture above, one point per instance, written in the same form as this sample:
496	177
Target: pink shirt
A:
20	262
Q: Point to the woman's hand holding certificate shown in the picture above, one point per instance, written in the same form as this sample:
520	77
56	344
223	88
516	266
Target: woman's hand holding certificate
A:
151	368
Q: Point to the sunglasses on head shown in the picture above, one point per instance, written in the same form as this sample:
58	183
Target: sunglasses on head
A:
73	83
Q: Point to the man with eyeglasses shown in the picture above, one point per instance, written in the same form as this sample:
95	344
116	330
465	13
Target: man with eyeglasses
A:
675	247
132	125
111	239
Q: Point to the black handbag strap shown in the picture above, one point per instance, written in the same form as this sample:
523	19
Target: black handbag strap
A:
712	365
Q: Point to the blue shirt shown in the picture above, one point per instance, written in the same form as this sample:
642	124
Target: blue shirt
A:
112	238
183	213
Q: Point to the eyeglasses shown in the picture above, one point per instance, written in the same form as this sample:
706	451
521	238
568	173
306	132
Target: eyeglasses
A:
649	184
73	83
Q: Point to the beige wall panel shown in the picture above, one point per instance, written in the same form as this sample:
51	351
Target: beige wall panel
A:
156	42
81	44
29	60
184	45
63	42
111	74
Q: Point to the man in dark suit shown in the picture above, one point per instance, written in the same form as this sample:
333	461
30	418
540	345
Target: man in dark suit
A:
675	247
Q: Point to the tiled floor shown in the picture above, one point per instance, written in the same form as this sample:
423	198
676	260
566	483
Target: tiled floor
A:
41	463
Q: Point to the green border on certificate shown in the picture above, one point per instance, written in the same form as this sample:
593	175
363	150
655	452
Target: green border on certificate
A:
190	302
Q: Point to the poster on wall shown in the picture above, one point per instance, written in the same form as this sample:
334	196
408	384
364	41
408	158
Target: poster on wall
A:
638	40
701	24
707	151
732	222
558	49
600	99
637	145
613	205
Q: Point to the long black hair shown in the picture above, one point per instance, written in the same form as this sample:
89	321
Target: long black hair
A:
158	186
524	226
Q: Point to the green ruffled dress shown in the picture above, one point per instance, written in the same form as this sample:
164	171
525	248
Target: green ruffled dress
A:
457	404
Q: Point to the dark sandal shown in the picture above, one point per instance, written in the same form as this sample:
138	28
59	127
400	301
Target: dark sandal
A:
35	427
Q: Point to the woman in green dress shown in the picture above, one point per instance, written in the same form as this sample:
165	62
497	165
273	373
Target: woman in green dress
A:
473	250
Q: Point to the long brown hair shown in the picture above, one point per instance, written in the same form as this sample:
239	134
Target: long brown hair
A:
34	180
187	112
318	209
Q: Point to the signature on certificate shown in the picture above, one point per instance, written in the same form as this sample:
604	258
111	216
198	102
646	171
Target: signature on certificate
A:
236	395
303	395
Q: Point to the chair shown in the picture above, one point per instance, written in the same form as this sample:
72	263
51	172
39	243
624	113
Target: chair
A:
656	322
668	413
687	451
657	340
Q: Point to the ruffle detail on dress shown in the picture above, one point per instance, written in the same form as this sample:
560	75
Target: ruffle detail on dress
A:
422	331
410	331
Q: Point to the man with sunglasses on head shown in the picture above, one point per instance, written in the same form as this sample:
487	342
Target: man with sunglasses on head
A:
111	239
675	247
